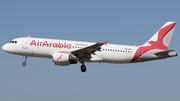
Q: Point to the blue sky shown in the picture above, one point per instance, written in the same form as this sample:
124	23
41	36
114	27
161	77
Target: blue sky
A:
119	21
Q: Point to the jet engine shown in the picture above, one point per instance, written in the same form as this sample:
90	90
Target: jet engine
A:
64	59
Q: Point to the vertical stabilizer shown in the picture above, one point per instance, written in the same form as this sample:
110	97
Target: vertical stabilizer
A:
160	40
162	37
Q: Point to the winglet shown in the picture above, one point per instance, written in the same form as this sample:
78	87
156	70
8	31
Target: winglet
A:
105	42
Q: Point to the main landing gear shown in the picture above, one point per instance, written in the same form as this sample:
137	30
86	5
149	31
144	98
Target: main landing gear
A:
83	68
24	63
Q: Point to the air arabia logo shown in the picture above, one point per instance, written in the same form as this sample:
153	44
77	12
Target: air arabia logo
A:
60	57
51	44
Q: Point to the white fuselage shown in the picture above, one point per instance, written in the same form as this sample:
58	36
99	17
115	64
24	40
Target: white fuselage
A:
37	47
110	53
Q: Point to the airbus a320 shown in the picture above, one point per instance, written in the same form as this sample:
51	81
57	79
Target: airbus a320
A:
65	52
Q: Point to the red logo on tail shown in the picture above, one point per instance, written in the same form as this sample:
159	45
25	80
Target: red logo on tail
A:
155	44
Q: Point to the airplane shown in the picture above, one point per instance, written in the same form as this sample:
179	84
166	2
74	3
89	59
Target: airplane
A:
65	52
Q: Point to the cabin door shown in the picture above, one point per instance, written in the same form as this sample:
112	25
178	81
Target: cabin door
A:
25	43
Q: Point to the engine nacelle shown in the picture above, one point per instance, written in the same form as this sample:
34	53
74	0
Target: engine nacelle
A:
64	59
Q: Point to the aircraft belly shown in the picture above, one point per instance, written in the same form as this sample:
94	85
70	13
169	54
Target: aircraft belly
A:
38	52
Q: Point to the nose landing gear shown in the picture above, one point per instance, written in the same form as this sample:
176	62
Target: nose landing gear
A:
24	63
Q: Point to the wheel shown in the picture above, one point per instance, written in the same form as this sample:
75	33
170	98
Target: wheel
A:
83	68
24	63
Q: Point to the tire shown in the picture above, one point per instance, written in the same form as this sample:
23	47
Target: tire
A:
24	63
83	68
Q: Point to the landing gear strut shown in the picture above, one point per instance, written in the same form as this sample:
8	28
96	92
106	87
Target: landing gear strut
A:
24	63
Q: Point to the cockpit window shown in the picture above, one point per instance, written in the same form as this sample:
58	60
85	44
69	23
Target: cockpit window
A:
13	42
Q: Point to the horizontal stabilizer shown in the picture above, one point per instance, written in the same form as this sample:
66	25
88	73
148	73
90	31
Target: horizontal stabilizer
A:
163	52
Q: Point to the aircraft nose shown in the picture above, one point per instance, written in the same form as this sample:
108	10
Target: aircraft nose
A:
4	48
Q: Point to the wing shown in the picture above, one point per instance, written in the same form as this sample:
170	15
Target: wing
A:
90	49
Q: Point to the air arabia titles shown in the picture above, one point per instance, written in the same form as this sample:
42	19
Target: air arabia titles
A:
55	45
